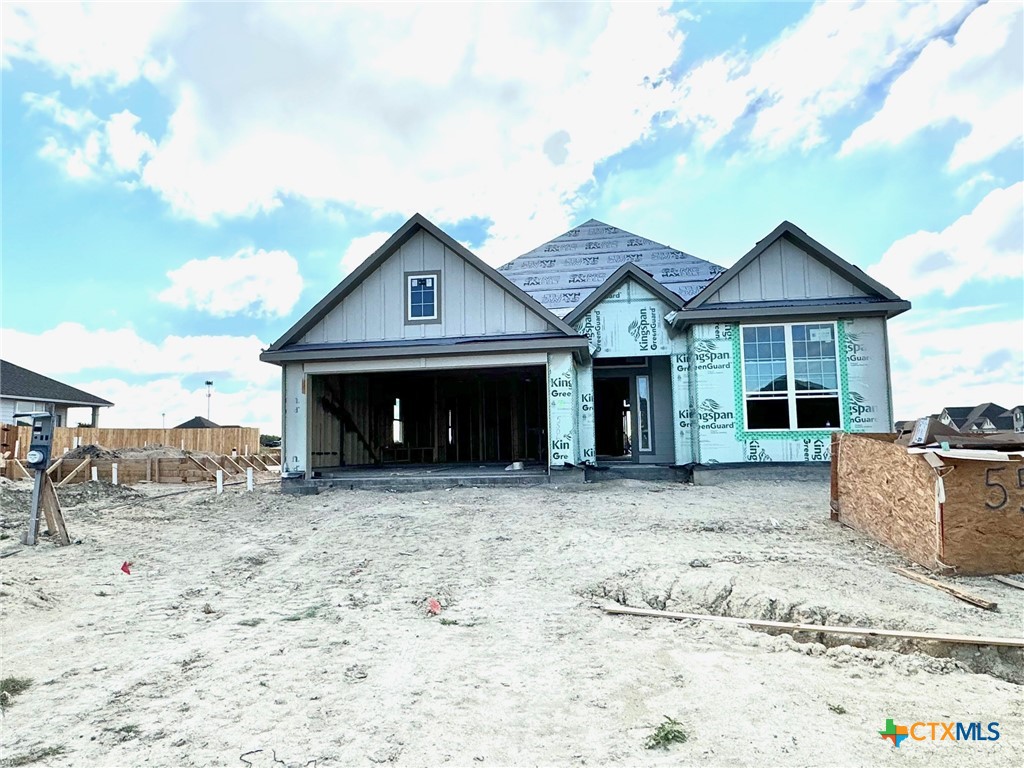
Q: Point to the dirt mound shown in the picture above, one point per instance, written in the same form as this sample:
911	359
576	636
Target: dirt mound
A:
107	454
83	493
90	451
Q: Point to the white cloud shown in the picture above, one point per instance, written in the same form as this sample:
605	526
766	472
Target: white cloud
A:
168	401
498	111
979	179
71	348
936	365
816	69
144	379
360	248
982	246
976	81
109	42
87	147
252	282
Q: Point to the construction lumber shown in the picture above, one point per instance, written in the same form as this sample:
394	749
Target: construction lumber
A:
967	597
256	462
203	467
231	462
85	463
1012	642
51	510
53	467
1009	582
21	468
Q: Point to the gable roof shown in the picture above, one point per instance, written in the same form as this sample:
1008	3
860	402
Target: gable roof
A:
563	272
18	382
619	276
415	224
813	248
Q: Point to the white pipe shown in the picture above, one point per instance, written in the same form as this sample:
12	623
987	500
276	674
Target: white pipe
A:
113	473
248	479
95	475
220	481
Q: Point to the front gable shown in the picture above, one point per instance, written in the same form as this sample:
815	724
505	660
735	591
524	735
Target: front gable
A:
472	299
790	266
625	316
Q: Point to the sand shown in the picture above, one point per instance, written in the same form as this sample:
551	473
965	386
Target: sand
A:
298	626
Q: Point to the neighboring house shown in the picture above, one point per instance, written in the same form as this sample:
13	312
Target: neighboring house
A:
197	422
1016	415
599	346
22	390
987	417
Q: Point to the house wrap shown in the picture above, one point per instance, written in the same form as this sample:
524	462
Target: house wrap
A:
597	347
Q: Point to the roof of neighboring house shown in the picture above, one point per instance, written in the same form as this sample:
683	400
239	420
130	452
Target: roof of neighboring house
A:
563	272
964	417
197	422
21	383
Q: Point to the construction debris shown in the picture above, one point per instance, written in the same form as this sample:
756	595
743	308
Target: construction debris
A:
1011	642
967	597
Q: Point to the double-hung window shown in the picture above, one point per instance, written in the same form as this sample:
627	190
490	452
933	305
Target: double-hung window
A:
791	376
422	298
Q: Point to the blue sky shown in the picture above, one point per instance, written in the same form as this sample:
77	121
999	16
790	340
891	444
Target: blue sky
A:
182	181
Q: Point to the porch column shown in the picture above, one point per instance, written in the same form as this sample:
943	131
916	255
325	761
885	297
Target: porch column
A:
682	407
95	416
585	418
561	396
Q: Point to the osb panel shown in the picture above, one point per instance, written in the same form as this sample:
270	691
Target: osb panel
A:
888	494
983	525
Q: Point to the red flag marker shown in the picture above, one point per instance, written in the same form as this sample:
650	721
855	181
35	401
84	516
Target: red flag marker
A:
433	606
125	568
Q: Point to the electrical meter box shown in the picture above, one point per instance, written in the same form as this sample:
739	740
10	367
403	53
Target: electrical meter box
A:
39	448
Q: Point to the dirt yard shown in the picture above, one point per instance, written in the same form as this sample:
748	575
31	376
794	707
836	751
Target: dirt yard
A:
261	627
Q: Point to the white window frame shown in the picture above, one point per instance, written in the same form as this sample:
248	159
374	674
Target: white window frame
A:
791	393
436	316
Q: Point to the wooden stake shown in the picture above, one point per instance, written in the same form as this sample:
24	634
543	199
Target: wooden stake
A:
54	516
1012	642
53	467
21	468
1010	582
967	597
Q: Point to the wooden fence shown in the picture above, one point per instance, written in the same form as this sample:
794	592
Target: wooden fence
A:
218	440
190	469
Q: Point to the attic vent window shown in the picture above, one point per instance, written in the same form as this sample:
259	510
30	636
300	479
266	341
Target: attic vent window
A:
422	298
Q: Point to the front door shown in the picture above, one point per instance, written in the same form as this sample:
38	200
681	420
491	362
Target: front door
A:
613	423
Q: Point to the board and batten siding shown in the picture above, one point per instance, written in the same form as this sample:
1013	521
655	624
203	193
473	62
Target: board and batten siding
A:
472	304
784	271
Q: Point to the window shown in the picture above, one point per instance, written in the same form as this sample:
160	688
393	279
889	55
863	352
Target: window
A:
397	425
422	298
791	376
643	412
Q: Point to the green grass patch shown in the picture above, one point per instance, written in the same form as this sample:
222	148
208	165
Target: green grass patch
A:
665	734
11	687
33	757
309	613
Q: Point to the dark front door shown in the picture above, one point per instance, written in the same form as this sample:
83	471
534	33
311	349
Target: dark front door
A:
612	419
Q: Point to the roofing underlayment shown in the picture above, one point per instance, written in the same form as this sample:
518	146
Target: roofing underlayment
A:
563	272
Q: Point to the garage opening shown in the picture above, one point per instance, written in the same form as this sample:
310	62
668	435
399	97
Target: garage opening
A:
429	417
